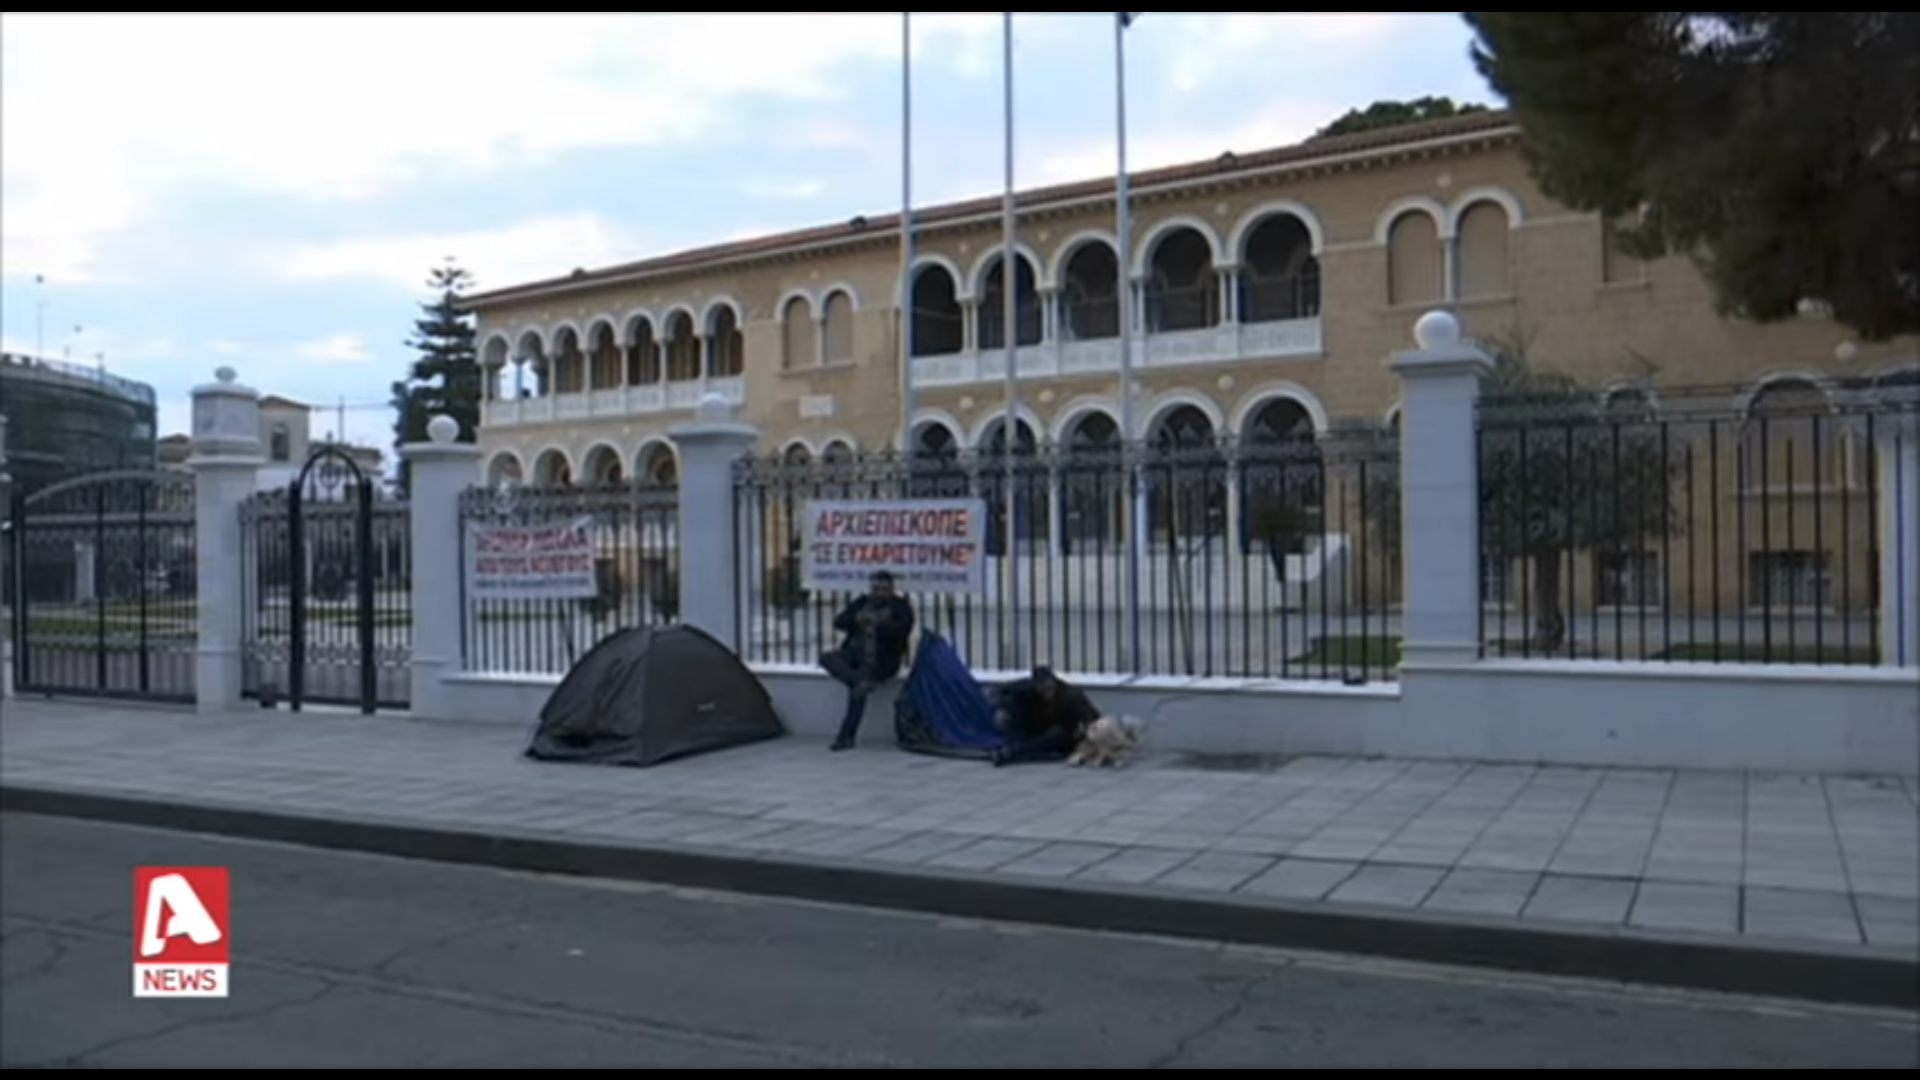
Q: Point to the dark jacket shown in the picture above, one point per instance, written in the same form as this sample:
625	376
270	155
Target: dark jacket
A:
880	653
1032	716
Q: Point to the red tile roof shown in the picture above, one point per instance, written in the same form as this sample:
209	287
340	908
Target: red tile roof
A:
1375	145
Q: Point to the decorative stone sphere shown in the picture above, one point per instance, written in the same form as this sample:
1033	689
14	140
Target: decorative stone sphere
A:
1436	330
714	408
443	429
225	374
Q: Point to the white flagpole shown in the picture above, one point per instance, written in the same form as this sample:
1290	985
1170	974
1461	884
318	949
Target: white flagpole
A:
1010	338
1123	235
907	403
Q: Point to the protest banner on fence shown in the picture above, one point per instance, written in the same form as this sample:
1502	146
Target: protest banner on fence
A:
929	545
531	562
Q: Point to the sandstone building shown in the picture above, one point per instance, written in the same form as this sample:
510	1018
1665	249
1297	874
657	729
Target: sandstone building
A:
1269	290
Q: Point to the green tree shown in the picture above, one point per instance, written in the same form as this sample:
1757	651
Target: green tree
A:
445	376
1779	149
1560	476
1390	114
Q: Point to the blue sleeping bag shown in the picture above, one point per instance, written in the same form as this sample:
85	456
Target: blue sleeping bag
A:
943	709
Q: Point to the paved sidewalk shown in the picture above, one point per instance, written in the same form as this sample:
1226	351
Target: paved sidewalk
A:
1762	859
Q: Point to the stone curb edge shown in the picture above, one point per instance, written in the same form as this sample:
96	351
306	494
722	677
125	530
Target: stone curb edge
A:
1839	975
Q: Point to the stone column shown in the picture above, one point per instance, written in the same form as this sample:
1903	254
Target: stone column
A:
1440	492
442	468
6	568
225	460
708	542
1898	438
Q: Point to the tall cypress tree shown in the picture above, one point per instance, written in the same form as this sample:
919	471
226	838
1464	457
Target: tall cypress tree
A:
445	376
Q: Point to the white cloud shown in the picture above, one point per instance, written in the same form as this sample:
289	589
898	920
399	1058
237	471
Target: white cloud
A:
1279	126
101	115
783	189
335	349
546	247
1218	48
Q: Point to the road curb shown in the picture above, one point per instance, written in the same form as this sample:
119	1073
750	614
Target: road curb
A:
1841	975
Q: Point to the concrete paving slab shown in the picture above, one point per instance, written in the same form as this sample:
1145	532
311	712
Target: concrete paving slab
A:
1469	846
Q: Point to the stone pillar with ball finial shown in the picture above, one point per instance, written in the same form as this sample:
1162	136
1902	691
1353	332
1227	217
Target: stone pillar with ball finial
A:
1896	399
225	458
710	581
1440	493
439	471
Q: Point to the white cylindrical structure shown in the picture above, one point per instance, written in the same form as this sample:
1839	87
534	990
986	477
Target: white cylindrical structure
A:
1123	313
1010	339
908	404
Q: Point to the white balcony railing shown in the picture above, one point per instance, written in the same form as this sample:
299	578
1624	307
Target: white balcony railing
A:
614	403
1291	339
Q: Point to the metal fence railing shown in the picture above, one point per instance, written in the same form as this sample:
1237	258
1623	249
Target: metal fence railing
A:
1697	525
326	595
1265	560
634	531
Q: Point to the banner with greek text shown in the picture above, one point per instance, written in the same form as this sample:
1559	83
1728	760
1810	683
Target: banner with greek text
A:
531	562
929	545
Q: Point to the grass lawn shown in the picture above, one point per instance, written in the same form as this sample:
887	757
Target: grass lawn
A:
1375	652
82	635
1750	653
395	619
381	619
1522	649
88	626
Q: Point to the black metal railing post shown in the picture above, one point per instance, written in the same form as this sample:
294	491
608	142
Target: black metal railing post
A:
143	585
366	622
101	591
22	606
296	597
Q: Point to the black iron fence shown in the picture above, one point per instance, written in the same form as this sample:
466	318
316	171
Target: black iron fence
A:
633	530
1232	559
1698	525
104	587
326	592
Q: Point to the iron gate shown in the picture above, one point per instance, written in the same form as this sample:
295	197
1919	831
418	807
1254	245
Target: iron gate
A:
326	590
102	575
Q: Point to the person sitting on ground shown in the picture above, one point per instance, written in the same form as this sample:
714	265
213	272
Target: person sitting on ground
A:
877	628
1043	717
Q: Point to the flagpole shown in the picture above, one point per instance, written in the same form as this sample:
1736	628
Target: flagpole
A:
39	317
908	406
1010	339
1123	294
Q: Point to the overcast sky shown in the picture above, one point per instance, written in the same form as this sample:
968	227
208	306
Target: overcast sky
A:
270	191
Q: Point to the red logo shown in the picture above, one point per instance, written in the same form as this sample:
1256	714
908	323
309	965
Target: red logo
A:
181	931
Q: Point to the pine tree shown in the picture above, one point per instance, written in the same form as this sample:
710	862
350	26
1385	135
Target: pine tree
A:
1390	114
1778	149
446	377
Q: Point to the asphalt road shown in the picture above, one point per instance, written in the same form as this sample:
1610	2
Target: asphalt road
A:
351	962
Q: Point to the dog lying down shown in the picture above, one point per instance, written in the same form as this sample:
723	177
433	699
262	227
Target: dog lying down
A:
1108	743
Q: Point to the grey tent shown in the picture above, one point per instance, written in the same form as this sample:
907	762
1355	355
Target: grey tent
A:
646	695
